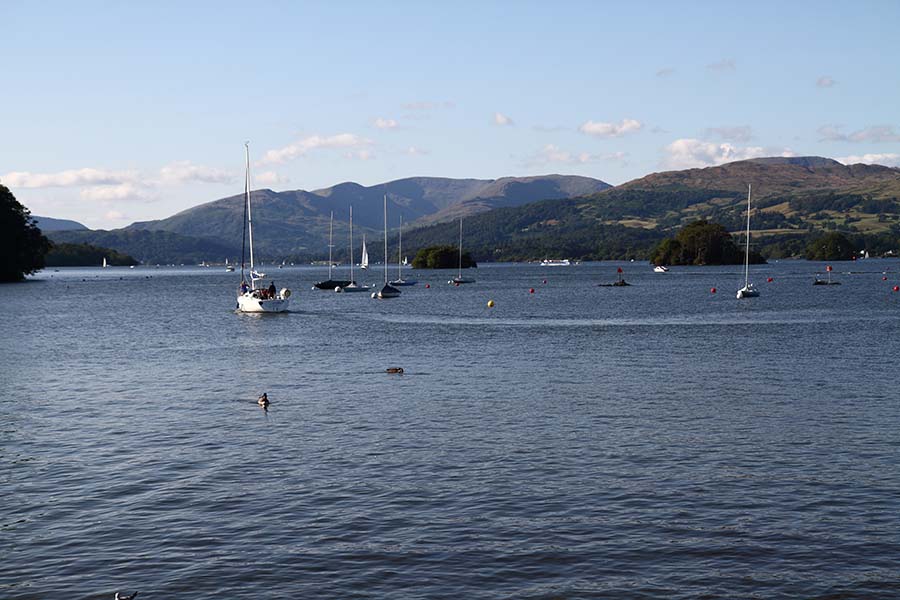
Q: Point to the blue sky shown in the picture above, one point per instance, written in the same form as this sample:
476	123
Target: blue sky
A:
117	112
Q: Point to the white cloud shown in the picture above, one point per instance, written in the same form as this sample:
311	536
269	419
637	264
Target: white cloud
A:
741	133
385	123
185	172
722	66
688	153
876	133
825	82
270	178
415	151
599	129
126	192
551	153
888	159
70	178
359	154
502	120
314	142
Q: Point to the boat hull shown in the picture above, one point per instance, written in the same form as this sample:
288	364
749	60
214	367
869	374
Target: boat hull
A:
331	284
251	304
747	292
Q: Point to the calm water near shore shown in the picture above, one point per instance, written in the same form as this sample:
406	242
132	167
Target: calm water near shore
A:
654	441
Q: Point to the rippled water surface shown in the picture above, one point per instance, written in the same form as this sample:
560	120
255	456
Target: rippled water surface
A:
654	441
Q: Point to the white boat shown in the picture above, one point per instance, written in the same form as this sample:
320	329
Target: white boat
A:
660	269
555	262
387	291
748	291
459	278
400	262
364	257
228	267
352	286
104	262
250	298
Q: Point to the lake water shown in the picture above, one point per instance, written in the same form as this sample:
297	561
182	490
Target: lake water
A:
654	441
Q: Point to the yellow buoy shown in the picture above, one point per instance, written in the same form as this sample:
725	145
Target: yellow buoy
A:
490	304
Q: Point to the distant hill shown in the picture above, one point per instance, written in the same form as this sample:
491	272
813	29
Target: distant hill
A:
793	199
49	224
295	223
152	247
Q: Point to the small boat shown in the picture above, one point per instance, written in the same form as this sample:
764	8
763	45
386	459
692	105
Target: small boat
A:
352	286
459	278
660	269
620	282
554	262
400	262
364	257
826	281
748	291
250	298
331	284
228	267
387	291
104	262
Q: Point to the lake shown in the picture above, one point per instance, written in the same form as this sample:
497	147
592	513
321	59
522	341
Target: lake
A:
651	441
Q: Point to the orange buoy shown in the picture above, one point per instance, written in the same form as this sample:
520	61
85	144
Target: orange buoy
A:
712	290
531	291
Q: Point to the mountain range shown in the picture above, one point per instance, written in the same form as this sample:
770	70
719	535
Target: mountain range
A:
296	223
539	217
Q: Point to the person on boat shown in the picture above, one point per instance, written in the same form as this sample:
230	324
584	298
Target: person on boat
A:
244	287
271	289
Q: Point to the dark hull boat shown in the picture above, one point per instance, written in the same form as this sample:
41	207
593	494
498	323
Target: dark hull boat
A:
330	284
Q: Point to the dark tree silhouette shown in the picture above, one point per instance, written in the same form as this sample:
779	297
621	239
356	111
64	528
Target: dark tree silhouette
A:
22	245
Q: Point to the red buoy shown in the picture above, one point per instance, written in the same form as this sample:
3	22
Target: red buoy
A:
427	285
896	288
457	284
712	290
531	291
770	280
884	278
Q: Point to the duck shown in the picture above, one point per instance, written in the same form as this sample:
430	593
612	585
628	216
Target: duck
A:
263	401
120	597
398	370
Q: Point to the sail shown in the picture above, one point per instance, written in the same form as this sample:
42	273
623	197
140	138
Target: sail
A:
364	259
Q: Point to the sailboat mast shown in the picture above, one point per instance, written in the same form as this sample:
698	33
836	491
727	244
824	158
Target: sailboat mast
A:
385	241
459	270
400	251
330	244
249	216
747	251
351	243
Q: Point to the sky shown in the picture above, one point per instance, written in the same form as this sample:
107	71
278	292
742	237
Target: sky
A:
115	112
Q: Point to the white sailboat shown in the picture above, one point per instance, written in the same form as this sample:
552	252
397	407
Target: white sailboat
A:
459	278
228	267
352	286
104	262
364	258
400	261
250	298
748	291
387	291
